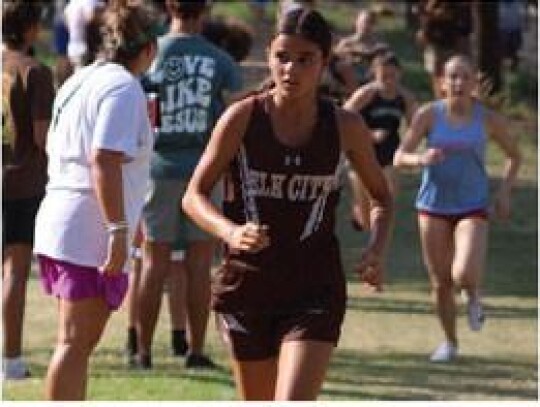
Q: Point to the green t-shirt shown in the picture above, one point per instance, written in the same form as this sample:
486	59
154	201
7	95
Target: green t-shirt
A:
190	75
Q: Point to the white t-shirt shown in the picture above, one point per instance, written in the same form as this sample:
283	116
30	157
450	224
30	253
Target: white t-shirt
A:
78	13
102	107
288	6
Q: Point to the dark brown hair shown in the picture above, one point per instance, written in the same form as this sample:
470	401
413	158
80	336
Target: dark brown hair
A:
310	25
187	9
386	58
126	30
17	18
231	35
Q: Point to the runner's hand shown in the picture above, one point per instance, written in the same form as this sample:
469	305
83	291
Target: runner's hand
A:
371	269
249	237
431	156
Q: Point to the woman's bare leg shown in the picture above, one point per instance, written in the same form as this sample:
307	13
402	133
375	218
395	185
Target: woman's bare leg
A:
256	380
177	304
360	202
15	270
301	369
155	269
470	258
198	262
131	295
437	237
80	325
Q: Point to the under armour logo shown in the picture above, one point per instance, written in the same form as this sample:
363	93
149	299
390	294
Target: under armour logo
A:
290	160
232	324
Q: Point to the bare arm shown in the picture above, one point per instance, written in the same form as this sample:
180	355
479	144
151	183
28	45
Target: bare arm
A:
342	46
360	98
106	170
40	128
410	105
220	151
356	144
346	70
498	130
406	155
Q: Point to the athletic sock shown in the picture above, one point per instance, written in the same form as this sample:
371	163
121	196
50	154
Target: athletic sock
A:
132	341
178	342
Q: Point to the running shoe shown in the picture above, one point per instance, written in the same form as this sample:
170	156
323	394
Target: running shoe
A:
196	361
475	311
445	352
15	369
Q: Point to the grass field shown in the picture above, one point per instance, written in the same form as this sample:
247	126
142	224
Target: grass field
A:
386	337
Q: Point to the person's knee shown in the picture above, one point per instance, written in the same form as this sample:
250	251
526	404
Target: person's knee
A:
15	279
463	279
156	260
198	260
80	338
77	345
442	288
17	261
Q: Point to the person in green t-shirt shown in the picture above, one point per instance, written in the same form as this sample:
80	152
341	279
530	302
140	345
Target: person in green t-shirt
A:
194	81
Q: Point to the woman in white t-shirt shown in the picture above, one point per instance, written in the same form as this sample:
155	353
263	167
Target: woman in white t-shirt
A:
99	146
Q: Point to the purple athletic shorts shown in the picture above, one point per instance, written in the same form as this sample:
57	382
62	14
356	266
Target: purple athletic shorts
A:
73	282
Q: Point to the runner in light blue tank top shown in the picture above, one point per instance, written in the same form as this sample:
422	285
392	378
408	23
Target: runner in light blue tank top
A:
459	183
452	201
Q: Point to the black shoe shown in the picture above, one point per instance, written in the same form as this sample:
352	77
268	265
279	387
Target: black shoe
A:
199	362
178	342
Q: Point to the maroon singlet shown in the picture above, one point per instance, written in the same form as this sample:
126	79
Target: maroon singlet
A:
295	191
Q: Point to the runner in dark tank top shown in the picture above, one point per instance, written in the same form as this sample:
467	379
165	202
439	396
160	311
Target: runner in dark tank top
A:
280	292
294	189
385	114
384	104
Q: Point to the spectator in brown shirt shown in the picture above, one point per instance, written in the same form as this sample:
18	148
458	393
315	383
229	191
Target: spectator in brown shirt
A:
27	97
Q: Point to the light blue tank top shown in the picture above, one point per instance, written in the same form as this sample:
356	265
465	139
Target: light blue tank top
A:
459	183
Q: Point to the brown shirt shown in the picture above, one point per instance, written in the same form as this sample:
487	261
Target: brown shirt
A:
27	95
295	192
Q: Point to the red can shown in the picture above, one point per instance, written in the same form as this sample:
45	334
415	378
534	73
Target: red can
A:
154	109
